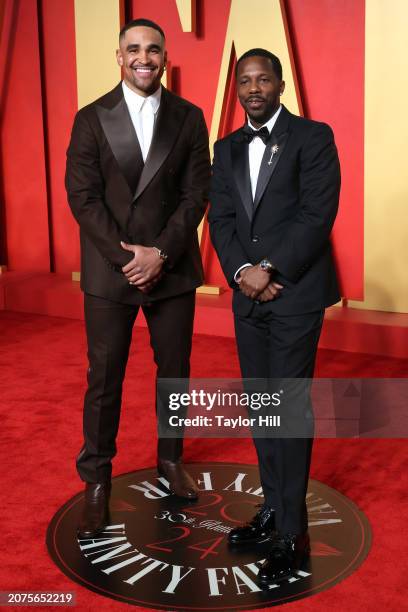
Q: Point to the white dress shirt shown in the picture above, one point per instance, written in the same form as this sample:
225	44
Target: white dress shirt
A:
256	150
143	113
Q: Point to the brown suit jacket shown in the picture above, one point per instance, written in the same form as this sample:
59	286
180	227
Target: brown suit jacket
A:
114	196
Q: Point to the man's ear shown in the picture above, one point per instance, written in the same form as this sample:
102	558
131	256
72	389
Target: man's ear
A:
119	57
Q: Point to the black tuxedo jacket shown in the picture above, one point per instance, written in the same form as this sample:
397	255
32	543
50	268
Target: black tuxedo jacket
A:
290	220
114	196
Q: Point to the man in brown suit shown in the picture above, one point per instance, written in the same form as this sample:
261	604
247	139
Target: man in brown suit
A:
137	176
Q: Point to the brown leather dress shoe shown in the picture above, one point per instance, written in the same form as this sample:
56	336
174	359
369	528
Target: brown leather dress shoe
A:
180	481
95	511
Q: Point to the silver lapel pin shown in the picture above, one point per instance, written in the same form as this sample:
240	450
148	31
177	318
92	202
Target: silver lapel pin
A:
274	150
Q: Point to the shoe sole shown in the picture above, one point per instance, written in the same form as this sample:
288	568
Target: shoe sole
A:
90	535
266	583
257	541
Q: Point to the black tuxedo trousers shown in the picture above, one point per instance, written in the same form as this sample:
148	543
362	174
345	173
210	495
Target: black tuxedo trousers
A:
272	346
109	328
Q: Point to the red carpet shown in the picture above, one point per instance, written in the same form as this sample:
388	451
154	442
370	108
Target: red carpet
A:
42	379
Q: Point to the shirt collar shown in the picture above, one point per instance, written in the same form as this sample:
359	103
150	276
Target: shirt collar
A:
269	124
135	101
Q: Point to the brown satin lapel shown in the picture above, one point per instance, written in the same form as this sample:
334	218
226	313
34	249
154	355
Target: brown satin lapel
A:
170	118
121	136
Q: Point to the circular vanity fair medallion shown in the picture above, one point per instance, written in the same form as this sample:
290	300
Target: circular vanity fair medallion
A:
162	552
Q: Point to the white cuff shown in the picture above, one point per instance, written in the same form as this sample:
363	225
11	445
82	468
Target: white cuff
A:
247	265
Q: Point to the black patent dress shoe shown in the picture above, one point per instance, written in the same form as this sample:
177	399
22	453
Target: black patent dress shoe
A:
285	557
259	529
95	510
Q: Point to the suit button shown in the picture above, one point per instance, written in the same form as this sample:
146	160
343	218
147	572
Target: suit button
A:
134	205
255	238
164	203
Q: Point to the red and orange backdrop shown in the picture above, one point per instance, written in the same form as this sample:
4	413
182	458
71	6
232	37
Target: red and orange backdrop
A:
345	63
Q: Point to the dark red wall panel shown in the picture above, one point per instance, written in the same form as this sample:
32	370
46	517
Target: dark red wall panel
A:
39	95
60	101
328	42
22	146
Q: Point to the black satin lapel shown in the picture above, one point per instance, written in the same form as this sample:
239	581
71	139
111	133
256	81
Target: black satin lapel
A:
169	121
122	139
268	164
240	168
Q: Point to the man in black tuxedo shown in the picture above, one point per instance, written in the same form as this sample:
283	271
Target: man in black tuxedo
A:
273	201
137	176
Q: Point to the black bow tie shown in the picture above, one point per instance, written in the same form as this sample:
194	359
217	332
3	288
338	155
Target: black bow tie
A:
249	133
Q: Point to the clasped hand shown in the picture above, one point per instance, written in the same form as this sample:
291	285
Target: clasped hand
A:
145	269
256	284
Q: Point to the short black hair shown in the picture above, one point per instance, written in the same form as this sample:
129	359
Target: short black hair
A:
141	22
275	61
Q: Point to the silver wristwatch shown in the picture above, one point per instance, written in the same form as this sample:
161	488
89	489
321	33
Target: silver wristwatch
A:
266	265
161	254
